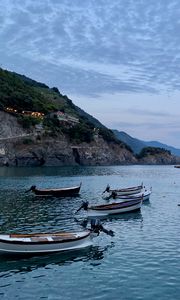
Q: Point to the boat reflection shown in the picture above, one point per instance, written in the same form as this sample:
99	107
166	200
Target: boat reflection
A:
135	215
132	216
18	264
128	217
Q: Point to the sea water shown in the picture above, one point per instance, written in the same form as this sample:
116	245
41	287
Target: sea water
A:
141	260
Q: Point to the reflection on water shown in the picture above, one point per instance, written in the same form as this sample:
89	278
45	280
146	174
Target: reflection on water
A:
135	216
53	171
142	258
28	213
27	263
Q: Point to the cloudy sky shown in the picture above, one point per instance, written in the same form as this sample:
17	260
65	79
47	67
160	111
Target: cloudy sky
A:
119	60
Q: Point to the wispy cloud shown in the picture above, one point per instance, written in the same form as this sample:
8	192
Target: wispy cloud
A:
128	45
90	48
151	113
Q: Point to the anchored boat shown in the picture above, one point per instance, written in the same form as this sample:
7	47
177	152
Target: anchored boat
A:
125	191
44	242
145	195
112	208
61	192
39	243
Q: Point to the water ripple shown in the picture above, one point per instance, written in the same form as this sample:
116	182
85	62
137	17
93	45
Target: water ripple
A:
140	262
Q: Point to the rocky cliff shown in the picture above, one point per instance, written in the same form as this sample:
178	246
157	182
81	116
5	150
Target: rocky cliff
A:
57	132
19	147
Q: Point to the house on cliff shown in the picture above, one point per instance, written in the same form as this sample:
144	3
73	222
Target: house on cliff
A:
63	118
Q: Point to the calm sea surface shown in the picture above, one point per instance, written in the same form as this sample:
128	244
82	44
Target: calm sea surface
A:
140	262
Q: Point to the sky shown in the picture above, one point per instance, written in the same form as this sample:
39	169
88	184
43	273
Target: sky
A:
119	60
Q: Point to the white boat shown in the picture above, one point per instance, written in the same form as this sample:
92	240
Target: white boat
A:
125	191
112	208
40	243
145	195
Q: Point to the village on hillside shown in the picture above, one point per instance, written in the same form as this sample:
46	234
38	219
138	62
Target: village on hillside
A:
62	117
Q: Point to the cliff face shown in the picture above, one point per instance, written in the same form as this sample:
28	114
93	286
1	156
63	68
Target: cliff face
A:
9	127
22	148
19	147
55	152
53	142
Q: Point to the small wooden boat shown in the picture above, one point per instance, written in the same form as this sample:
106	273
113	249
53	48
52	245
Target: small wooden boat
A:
44	242
112	208
39	243
62	192
125	191
145	195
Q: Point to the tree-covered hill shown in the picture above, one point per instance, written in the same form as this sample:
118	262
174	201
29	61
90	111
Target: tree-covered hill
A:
23	93
153	151
56	141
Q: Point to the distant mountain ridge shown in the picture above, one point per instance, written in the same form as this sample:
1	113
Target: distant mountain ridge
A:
137	145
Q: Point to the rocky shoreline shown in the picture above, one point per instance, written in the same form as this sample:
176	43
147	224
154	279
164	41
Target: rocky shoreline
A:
19	147
53	152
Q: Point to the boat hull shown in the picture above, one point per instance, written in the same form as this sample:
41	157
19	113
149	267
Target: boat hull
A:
115	208
144	195
25	246
124	193
69	192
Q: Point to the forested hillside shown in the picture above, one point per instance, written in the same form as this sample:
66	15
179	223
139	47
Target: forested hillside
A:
22	93
40	126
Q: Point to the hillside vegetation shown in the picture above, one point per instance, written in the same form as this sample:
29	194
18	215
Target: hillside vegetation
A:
65	135
152	151
23	93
